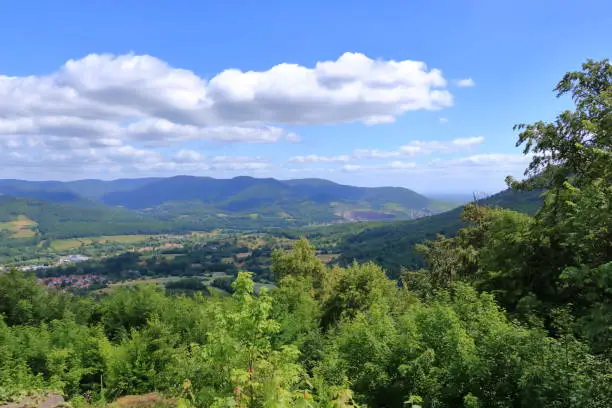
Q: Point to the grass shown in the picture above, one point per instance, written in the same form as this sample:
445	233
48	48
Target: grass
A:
138	282
443	206
257	286
168	257
207	280
72	243
20	227
327	258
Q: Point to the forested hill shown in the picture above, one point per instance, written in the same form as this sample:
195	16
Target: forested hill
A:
49	220
513	311
292	202
71	190
247	193
392	244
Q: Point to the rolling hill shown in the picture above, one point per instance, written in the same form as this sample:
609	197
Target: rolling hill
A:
269	195
51	220
210	200
392	244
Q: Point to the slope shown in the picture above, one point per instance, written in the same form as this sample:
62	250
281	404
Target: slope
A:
68	221
53	191
392	244
240	202
68	191
320	200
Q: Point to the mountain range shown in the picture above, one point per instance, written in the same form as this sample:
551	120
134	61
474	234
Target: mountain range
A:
35	212
392	244
183	202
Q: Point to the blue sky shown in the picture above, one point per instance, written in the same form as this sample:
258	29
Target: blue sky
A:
109	89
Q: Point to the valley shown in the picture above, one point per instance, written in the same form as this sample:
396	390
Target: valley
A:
169	237
235	203
205	262
44	220
212	259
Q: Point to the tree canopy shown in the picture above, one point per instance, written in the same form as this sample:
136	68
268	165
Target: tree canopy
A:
514	310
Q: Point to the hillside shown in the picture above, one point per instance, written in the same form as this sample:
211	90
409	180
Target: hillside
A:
514	310
69	191
50	220
294	199
392	244
218	202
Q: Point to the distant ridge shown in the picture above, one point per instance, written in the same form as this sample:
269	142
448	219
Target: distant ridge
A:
392	245
297	202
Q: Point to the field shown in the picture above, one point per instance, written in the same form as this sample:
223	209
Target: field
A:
20	227
72	243
207	280
327	258
167	257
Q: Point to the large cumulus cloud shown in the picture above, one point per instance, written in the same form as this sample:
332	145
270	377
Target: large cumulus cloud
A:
133	105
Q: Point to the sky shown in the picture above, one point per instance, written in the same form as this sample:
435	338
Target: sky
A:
415	94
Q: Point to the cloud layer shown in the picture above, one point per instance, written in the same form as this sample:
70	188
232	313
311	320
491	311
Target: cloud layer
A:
412	148
141	97
120	110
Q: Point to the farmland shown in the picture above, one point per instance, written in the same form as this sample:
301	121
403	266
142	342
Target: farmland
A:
163	281
20	227
72	243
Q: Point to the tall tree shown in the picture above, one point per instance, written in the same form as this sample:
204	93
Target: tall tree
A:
575	147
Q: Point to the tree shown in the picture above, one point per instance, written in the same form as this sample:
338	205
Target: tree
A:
571	237
576	146
300	261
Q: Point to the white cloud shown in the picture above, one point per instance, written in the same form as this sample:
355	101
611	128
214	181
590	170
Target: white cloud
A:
189	156
374	154
162	130
241	166
467	82
494	165
117	102
313	158
402	165
393	166
443	120
497	160
237	159
413	148
478	172
353	167
352	88
136	87
119	161
292	137
378	119
429	147
153	130
468	141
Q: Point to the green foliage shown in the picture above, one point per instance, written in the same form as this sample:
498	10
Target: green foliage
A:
68	221
184	203
300	346
300	262
513	310
392	245
576	146
24	302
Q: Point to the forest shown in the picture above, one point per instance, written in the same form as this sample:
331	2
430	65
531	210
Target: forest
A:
514	310
393	245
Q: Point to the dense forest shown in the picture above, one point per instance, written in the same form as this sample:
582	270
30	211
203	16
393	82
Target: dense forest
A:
513	310
77	208
393	245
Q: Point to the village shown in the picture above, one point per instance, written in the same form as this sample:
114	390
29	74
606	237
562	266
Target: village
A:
73	281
